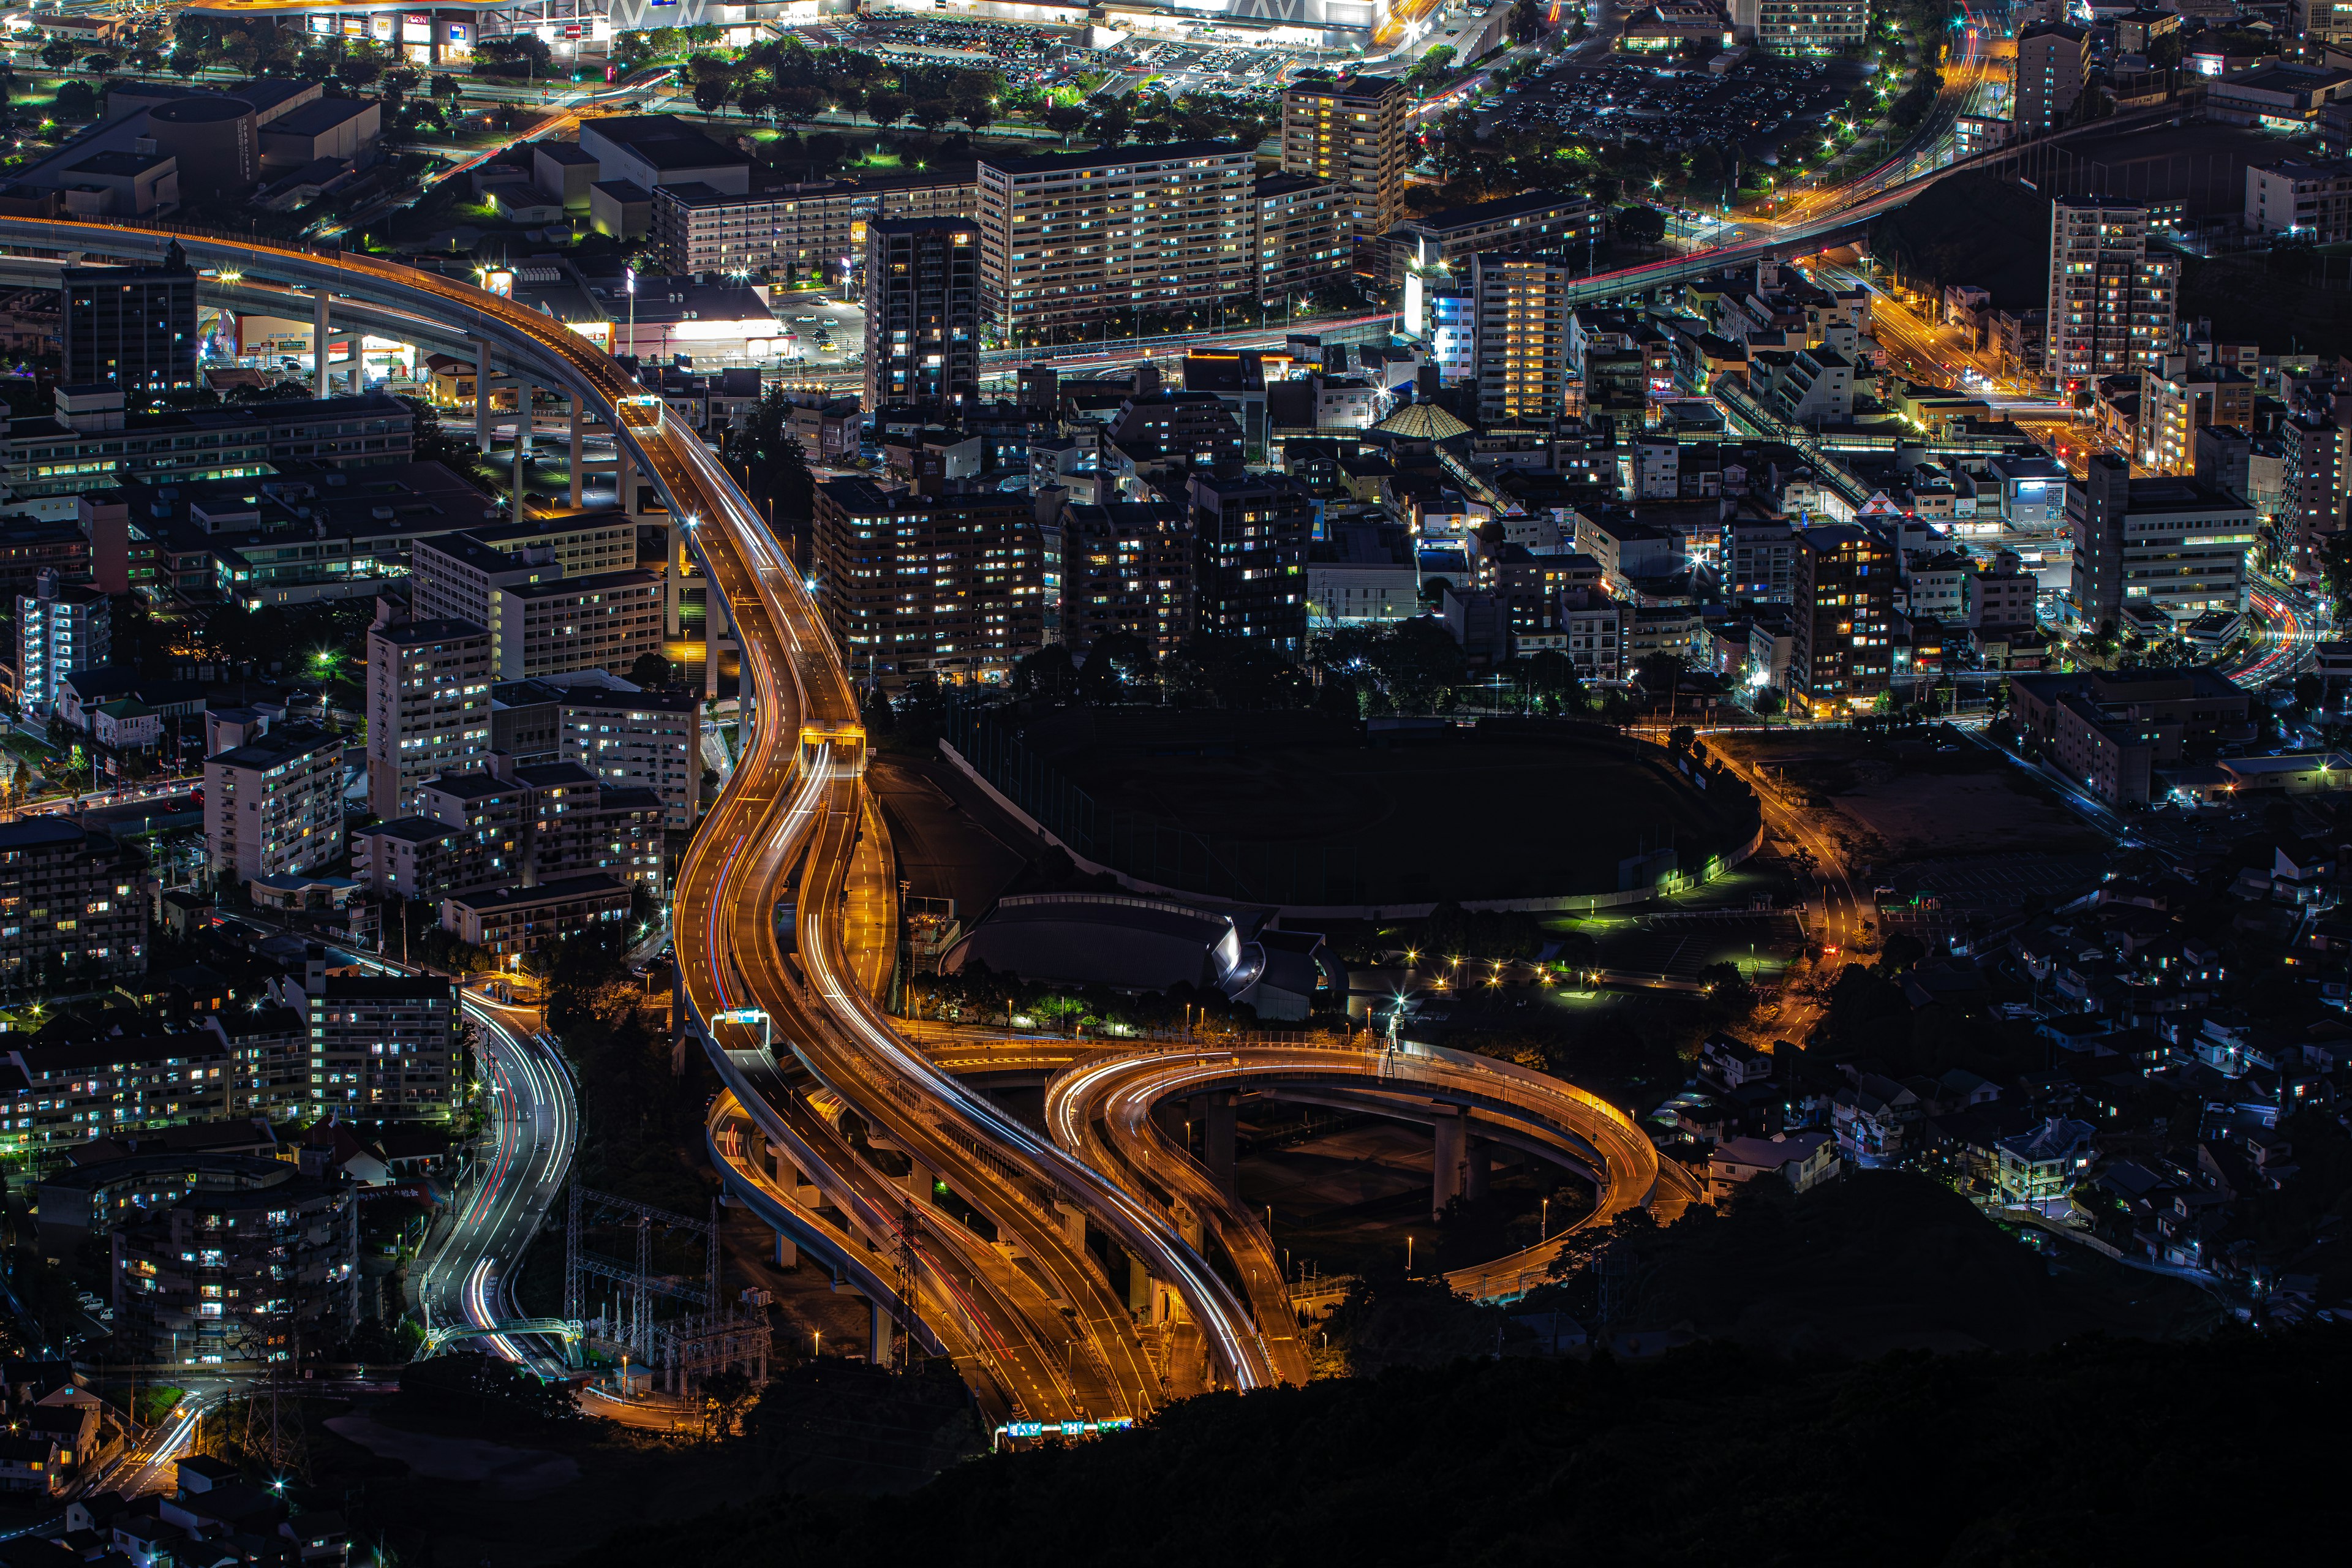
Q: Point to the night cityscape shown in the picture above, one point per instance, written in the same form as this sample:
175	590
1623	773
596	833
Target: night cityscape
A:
1256	782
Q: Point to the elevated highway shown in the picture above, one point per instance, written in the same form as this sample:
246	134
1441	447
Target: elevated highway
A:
1104	1109
784	922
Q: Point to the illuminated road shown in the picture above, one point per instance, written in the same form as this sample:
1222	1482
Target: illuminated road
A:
1102	1109
2290	637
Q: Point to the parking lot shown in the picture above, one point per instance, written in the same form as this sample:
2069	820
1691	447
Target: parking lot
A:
1184	68
826	331
1024	54
1758	105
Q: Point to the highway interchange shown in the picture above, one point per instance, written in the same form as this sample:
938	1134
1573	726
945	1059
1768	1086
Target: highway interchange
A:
786	916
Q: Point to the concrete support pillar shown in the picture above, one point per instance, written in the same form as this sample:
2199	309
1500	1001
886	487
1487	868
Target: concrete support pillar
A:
579	453
788	1254
1217	1112
1479	1168
519	475
1446	1167
1139	1287
625	478
481	395
1169	1115
878	1347
319	347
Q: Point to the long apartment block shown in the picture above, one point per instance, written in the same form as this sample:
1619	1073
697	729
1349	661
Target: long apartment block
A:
1074	238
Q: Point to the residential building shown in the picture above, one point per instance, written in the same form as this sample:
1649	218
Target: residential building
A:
542	620
385	1048
1600	639
2053	62
61	628
1803	1159
55	1095
1844	599
802	232
512	921
2004	596
1443	242
2315	462
2112	299
949	584
268	1048
1807	387
1127	567
2178	399
1069	238
922	313
244	1267
2038	1168
509	825
1811	26
2177	544
1300	236
273	803
1250	533
2321	22
428	706
68	897
1358	131
647	740
2301	198
89	441
1521	349
2109	728
130	327
1761	556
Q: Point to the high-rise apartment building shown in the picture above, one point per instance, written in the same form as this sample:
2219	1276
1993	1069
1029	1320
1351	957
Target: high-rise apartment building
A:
542	620
1811	26
2112	299
61	628
799	231
1075	237
274	804
64	1092
1127	567
2316	481
1300	237
2169	544
384	1048
1842	655
1520	331
1356	131
68	896
952	585
648	739
1250	534
504	825
2053	60
130	327
428	707
922	313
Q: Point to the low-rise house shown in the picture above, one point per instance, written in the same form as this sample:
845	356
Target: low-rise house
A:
1804	1160
2038	1168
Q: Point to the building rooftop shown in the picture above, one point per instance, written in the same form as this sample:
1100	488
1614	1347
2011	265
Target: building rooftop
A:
1102	157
